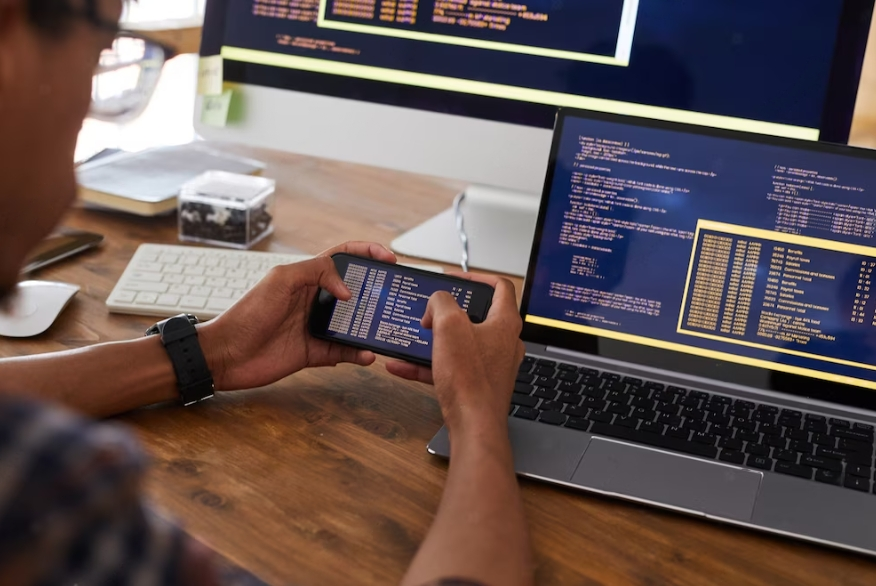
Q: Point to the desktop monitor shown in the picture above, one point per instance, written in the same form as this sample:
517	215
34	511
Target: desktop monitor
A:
468	89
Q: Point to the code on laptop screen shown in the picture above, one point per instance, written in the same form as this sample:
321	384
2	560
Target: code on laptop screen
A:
752	253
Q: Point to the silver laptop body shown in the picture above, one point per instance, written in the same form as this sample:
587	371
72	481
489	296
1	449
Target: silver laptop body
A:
742	394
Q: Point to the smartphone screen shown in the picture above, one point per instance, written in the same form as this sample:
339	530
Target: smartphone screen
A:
387	305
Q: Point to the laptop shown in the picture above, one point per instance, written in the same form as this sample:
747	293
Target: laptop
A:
700	324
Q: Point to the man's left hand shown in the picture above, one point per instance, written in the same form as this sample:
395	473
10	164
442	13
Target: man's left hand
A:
264	336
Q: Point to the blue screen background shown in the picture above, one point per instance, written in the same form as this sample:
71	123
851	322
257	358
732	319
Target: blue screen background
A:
656	267
743	58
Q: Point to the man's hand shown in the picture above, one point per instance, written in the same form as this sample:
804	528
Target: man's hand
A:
264	336
473	365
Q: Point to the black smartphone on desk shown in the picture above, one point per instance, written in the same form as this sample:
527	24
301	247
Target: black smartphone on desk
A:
61	244
387	305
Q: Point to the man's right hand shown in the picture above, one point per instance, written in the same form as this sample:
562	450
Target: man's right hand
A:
473	365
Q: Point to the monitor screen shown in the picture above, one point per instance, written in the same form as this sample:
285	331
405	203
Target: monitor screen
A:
783	67
733	248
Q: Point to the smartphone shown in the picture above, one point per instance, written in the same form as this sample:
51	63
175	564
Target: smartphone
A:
387	305
60	245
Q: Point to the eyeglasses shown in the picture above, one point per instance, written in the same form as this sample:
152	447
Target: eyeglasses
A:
127	73
126	77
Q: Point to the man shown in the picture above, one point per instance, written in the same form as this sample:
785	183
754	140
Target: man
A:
69	505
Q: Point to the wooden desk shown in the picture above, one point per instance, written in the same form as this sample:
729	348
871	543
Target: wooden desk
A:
323	478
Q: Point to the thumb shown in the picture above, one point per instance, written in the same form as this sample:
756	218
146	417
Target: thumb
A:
321	271
441	304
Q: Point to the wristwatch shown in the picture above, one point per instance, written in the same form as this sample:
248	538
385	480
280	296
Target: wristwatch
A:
180	339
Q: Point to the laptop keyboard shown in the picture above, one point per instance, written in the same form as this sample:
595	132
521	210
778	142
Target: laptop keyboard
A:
753	435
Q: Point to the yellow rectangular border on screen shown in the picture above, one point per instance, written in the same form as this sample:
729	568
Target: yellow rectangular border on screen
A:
323	22
508	92
701	352
791	239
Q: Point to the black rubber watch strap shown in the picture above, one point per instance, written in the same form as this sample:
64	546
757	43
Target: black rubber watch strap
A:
180	339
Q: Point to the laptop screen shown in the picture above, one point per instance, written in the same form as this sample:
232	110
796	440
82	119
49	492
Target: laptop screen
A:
722	246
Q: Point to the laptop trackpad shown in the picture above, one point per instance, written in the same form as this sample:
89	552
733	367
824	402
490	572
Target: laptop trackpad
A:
700	486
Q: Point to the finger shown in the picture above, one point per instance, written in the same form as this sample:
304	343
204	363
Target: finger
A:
321	272
409	371
491	280
441	304
504	301
367	249
339	353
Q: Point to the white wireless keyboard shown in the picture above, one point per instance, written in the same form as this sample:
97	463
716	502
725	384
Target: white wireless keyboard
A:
166	280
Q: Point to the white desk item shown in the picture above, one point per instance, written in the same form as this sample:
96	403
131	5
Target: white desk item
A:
165	280
34	307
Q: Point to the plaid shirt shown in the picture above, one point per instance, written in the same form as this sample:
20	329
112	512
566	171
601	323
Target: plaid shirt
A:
70	508
71	512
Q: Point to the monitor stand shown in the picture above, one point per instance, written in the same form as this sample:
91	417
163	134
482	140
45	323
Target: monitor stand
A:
500	226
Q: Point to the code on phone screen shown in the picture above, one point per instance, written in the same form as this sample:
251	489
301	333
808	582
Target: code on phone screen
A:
386	309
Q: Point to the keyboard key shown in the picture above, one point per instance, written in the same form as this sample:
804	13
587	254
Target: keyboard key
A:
794	470
643	403
593	392
567	367
655	386
678	391
839	422
552	418
615	387
195	281
172	279
815	417
146	298
822	439
693	414
526	413
678	432
619	409
146	287
573	411
698	395
856	483
759	462
748	436
653	439
704	438
521	377
775	441
193	302
689	402
216	282
651	427
670	420
802	447
595	404
797	434
853	434
201	291
822	463
721	430
546	362
695	425
547	394
815	426
827	476
791	413
664	407
743	404
769	429
523	400
618	397
630	422
145	277
731	444
610	376
168	299
640	392
721	399
124	297
732	456
571	377
569	399
524	388
547	371
551	406
764	416
865	427
757	450
578	423
785	455
600	416
858	470
768	409
644	414
743	424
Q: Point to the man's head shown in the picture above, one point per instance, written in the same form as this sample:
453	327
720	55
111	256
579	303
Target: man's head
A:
48	52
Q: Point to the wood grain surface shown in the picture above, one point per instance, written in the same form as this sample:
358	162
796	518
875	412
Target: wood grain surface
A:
323	478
